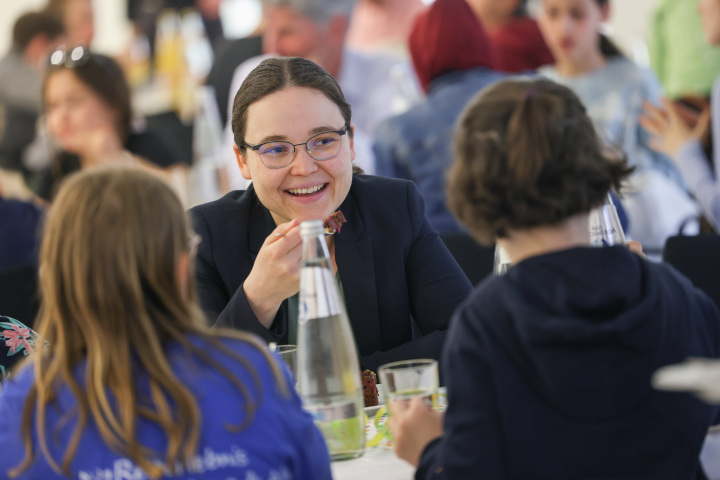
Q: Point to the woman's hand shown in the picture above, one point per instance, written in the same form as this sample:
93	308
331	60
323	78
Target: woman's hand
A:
669	130
275	275
413	425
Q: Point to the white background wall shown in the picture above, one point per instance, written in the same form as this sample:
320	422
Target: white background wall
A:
629	21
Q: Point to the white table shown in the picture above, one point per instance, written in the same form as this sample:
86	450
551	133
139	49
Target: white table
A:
378	463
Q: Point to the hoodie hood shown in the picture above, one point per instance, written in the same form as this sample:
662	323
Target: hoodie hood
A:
587	326
448	37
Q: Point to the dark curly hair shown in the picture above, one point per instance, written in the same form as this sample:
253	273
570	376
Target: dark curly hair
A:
527	155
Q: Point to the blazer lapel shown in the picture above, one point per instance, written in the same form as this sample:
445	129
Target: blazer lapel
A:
261	224
354	258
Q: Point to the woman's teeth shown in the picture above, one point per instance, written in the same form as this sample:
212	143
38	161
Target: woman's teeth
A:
305	191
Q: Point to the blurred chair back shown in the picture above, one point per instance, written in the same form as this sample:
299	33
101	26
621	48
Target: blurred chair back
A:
475	260
18	294
698	258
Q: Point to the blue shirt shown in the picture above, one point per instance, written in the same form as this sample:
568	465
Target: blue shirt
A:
417	144
614	96
280	443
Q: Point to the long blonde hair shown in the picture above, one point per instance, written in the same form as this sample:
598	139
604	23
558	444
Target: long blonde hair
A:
112	296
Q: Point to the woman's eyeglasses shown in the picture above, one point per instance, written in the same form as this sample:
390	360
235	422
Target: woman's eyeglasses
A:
323	146
70	58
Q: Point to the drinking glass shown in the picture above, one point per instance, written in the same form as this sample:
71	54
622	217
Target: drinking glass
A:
410	378
289	355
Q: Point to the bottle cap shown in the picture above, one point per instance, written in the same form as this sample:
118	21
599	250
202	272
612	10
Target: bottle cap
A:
311	228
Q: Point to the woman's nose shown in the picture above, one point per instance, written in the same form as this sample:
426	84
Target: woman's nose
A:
304	163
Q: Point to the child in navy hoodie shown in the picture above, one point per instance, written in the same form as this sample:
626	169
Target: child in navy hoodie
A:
548	368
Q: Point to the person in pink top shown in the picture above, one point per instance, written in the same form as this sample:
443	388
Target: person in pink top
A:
383	25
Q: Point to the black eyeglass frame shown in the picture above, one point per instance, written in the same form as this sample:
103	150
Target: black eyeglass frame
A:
292	154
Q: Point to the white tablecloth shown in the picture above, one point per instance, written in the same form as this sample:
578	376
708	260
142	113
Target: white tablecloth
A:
378	463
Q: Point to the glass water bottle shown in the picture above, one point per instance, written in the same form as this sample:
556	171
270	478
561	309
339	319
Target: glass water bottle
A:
604	224
328	365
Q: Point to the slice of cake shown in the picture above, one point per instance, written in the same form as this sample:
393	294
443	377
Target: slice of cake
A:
369	384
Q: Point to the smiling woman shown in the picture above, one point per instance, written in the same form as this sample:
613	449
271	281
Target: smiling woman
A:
294	139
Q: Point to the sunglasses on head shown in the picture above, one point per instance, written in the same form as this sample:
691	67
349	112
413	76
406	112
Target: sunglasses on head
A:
70	58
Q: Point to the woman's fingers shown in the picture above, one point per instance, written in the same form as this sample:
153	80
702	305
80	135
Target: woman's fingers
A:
413	425
652	126
654	112
654	119
703	123
671	112
281	231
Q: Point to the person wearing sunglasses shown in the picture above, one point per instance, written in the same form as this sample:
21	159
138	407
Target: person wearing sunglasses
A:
293	136
88	115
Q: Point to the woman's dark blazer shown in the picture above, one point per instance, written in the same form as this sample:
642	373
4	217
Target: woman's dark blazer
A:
394	269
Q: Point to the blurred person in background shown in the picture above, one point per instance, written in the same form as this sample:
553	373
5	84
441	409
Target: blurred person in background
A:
613	89
518	43
88	115
684	62
77	16
676	30
145	13
19	221
34	36
133	383
454	60
548	367
683	143
383	26
376	86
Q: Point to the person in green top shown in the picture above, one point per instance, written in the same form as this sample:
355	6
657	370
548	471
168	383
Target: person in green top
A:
683	61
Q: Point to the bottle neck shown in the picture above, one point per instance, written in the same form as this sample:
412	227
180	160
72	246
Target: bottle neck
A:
316	252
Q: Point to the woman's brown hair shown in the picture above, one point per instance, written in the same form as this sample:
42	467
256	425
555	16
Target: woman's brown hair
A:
113	297
527	155
275	74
